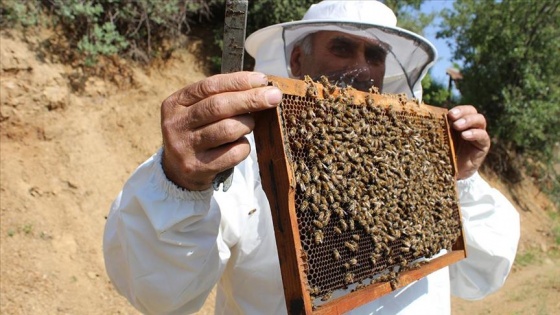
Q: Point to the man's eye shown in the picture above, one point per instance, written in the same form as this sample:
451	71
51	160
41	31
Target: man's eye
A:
376	55
341	50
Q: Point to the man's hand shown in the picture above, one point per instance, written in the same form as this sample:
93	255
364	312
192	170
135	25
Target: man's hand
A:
473	142
204	126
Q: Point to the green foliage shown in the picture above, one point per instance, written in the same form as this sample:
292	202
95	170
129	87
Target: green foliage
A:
15	13
509	51
268	12
409	15
104	40
436	93
139	29
260	14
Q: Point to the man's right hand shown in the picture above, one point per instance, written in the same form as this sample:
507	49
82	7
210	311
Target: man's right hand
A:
204	126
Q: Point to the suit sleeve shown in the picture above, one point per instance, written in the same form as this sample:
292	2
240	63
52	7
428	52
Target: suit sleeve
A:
162	245
492	229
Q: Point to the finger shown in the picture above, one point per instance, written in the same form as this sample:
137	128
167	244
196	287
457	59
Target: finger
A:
224	157
458	112
477	137
209	163
220	83
471	121
232	104
222	132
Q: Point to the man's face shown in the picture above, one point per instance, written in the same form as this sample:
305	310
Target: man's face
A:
356	61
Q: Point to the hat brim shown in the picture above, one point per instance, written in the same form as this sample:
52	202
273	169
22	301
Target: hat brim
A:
254	40
410	55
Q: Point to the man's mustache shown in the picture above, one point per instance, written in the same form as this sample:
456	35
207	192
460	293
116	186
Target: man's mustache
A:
349	78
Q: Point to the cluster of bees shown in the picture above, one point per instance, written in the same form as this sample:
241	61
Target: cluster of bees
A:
375	188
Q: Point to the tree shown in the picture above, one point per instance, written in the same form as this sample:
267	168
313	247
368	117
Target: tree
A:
409	15
509	51
435	93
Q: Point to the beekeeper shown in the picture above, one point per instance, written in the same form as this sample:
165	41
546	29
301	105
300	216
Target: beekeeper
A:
170	238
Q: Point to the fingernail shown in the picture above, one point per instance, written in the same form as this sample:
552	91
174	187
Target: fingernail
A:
455	112
273	96
258	79
467	134
460	122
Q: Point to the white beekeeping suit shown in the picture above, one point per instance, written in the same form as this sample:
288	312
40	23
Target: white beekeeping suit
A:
166	248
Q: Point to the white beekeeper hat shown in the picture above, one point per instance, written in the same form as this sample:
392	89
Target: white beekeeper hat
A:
408	60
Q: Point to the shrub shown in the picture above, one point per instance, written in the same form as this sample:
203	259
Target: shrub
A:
138	29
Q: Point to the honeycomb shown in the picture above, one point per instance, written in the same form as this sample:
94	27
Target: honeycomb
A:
375	190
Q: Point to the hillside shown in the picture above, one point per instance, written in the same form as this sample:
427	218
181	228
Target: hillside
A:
66	152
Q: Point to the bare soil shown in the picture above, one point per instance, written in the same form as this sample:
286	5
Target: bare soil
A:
66	151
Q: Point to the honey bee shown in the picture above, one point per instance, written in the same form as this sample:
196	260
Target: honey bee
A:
302	167
312	90
316	198
303	115
320	103
383	278
315	174
353	261
314	290
349	278
318	237
418	264
356	237
311	113
318	224
292	119
339	212
337	230
351	224
404	263
370	102
304	205
373	258
314	208
312	190
336	254
360	286
327	217
292	131
326	297
343	225
302	186
352	246
305	178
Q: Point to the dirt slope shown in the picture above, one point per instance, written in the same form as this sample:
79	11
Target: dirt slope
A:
65	155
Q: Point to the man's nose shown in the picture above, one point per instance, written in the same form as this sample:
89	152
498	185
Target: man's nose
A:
363	72
359	78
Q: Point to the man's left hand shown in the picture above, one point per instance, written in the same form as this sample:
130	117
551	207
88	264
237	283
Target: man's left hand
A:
473	142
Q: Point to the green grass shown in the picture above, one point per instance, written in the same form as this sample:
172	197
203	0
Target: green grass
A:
28	229
555	231
527	257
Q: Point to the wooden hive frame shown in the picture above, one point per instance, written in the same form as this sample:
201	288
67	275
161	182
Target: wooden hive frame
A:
280	185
